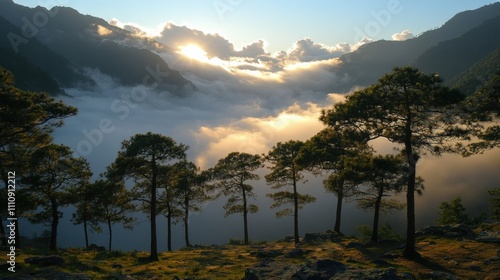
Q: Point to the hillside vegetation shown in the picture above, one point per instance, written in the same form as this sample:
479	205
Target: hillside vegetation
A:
457	255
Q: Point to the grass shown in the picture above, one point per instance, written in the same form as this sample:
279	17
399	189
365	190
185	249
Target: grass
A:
230	261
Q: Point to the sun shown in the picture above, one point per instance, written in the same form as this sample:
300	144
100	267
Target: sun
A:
194	52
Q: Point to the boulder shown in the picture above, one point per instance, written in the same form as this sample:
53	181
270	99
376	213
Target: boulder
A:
295	253
45	261
94	247
488	236
437	275
449	231
270	269
389	273
263	254
321	269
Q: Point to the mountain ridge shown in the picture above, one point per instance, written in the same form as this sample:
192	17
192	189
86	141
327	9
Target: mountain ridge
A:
78	39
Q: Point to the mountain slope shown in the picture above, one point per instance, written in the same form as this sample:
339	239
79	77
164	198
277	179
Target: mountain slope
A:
477	75
88	41
452	57
371	61
36	67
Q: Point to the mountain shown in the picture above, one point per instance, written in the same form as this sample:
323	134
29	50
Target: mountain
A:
365	65
35	66
479	74
90	42
452	57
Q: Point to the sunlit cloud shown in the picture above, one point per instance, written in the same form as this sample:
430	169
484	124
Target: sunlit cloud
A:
402	36
103	31
257	135
194	52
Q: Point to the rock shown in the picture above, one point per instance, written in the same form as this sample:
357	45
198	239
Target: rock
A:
321	269
117	265
380	263
488	236
389	273
475	268
268	254
289	238
491	260
94	247
295	253
318	238
45	261
390	256
269	269
449	231
437	275
355	245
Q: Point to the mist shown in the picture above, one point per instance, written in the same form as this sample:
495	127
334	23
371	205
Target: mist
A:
229	110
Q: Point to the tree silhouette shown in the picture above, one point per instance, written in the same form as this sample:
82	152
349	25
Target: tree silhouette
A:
53	176
166	200
409	108
26	119
332	151
189	191
285	172
452	212
112	205
381	176
86	212
230	174
141	158
484	106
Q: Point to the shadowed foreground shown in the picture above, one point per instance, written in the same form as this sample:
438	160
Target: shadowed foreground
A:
447	252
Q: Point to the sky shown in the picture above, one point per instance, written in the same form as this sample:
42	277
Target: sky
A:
280	23
263	73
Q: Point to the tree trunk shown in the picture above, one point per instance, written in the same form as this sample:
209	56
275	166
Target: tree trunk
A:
169	229
152	213
295	212
86	233
186	221
409	251
245	213
338	215
110	235
54	224
376	215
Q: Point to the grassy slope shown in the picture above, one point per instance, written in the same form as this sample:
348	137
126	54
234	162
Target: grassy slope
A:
230	261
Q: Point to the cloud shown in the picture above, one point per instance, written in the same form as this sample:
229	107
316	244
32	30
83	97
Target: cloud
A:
404	35
257	135
178	36
306	50
254	50
134	28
